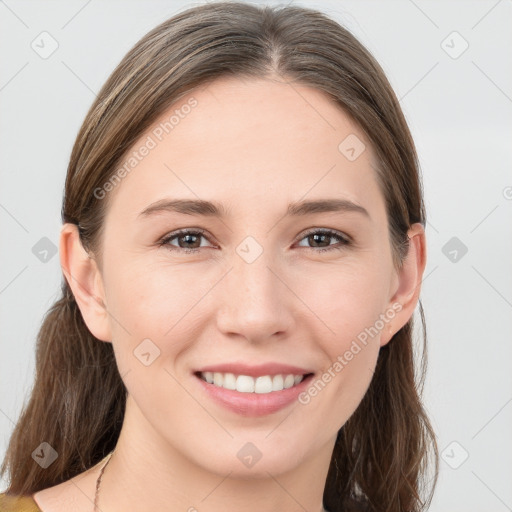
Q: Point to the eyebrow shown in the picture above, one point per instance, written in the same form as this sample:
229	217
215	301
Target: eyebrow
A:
214	209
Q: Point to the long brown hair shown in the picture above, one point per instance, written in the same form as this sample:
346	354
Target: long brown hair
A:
77	403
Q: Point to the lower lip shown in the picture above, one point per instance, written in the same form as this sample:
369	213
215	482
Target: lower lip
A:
254	404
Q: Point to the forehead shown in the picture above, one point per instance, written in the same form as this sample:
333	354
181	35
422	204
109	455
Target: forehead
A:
252	140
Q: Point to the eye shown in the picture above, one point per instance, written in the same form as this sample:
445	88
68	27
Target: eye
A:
188	240
322	236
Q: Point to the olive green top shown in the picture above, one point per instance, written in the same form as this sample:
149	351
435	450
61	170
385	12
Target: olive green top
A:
10	503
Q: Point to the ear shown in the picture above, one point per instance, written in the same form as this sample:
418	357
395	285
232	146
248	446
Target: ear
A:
407	283
85	280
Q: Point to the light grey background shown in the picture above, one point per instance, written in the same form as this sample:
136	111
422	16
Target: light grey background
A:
458	106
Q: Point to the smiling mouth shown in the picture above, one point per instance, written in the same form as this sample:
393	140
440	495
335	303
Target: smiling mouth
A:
264	384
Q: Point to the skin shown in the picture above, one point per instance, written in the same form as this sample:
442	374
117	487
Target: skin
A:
254	146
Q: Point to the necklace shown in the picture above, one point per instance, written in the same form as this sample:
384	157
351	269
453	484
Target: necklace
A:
98	482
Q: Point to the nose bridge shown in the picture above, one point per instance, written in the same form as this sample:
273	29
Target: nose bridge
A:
255	280
255	302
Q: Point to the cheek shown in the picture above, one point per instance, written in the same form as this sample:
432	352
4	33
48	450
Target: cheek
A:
346	298
155	314
349	303
151	299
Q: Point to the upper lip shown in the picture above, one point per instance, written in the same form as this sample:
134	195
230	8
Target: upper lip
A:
256	370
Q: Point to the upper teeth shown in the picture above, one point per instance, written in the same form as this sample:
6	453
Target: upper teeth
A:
248	384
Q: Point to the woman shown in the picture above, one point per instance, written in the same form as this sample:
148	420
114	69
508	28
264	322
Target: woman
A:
242	246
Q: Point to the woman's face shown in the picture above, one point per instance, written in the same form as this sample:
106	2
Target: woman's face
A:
256	293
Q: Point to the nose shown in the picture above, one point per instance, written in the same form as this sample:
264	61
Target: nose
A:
255	302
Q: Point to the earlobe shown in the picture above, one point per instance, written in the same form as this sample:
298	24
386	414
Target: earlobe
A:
85	280
409	279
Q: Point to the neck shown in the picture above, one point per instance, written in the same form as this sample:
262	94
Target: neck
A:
155	475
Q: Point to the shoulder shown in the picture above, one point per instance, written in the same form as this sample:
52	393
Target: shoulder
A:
13	503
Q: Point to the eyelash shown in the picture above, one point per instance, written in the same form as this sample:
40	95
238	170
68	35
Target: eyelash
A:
343	239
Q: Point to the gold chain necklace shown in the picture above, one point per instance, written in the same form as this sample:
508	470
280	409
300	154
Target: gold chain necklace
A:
98	482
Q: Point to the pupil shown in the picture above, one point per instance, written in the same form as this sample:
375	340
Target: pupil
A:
188	237
315	237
